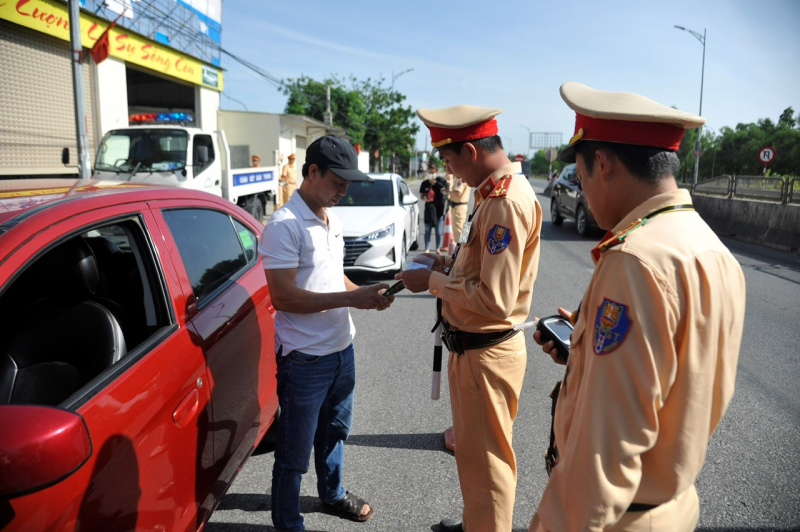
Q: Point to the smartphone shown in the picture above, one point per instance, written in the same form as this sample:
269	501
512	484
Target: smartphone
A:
558	330
392	290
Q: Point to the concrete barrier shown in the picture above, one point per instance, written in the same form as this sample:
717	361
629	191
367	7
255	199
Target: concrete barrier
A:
764	223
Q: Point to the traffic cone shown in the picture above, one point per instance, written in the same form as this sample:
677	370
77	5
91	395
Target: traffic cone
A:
447	235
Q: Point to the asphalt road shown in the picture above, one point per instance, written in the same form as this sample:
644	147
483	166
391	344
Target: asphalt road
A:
396	459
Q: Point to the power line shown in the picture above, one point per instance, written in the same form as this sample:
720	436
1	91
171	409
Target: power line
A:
277	82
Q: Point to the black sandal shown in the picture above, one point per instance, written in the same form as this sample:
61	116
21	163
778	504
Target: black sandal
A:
350	506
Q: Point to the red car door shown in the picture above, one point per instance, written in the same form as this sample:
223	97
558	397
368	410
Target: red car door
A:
229	316
147	415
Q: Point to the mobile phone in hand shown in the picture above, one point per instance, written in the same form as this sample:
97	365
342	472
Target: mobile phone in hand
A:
557	330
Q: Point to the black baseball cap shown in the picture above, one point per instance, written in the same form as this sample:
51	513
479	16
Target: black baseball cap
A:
338	156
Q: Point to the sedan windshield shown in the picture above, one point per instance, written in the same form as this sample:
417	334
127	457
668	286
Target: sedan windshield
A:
124	150
363	194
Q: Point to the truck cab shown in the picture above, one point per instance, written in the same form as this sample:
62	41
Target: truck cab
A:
159	150
161	153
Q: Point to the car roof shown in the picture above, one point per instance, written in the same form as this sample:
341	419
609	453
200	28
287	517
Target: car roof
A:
22	198
386	176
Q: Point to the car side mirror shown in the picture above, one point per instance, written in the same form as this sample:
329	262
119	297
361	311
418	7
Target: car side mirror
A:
202	155
65	156
410	199
40	446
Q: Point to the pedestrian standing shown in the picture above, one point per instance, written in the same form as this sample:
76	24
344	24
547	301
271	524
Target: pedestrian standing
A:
434	192
303	249
482	293
657	335
255	160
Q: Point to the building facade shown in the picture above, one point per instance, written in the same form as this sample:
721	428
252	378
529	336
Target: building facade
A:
172	67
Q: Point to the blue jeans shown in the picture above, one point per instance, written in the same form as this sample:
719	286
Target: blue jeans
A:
439	233
316	398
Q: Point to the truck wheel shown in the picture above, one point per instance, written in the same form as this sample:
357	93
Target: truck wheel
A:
255	207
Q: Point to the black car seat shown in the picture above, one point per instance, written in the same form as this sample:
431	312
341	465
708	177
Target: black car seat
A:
58	338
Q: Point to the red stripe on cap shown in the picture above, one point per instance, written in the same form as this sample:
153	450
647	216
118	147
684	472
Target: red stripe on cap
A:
655	134
472	132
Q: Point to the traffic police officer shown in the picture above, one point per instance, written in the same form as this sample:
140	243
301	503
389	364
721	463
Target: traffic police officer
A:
657	335
484	290
458	194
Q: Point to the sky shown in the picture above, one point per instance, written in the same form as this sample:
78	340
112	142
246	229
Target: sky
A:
515	55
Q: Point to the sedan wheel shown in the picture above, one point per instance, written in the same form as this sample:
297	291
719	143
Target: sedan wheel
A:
555	216
582	221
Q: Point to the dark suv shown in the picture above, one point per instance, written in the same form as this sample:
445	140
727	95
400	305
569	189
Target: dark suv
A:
568	201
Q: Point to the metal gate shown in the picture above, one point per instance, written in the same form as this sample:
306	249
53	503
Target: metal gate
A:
37	115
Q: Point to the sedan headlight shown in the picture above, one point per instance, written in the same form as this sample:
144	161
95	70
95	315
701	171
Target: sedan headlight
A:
380	233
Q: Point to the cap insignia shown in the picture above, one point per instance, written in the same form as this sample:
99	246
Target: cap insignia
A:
578	136
440	143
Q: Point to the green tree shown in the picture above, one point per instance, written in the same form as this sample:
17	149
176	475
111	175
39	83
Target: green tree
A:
372	115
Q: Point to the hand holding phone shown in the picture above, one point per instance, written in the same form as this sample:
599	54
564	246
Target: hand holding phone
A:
558	330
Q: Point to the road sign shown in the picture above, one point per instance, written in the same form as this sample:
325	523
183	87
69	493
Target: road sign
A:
519	158
766	155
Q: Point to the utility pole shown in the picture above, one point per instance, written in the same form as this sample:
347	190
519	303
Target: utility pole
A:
327	116
84	161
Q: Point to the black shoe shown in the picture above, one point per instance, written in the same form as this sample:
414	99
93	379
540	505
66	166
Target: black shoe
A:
450	525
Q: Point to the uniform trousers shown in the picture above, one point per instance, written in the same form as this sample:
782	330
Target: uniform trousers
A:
286	193
485	386
458	215
678	515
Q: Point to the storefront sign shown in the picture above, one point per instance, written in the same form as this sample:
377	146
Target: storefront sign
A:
52	18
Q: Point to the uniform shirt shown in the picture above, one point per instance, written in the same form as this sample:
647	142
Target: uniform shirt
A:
458	191
491	282
651	371
289	175
296	238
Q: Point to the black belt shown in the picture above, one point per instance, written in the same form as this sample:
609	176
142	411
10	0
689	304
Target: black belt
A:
460	341
636	507
456	203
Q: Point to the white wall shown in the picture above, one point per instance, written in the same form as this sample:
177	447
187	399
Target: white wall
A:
207	108
111	96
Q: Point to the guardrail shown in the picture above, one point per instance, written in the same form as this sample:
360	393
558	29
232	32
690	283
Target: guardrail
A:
793	190
770	189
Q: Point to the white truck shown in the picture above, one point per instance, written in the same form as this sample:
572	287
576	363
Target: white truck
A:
184	157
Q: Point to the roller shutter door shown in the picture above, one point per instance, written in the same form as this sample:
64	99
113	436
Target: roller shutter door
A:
37	115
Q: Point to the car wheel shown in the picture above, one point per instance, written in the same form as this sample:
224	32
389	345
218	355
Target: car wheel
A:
555	216
582	221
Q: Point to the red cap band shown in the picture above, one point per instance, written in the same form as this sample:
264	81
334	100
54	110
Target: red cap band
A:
441	136
655	134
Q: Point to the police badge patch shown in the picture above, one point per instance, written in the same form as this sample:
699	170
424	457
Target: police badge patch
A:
498	239
610	327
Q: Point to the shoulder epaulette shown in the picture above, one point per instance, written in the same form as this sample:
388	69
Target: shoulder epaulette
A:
501	189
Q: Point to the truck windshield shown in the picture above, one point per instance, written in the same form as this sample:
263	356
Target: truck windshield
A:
155	150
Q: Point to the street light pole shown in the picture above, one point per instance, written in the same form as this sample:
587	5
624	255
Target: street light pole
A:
702	39
395	76
529	140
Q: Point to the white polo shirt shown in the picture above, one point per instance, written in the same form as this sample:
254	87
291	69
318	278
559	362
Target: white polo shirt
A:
295	238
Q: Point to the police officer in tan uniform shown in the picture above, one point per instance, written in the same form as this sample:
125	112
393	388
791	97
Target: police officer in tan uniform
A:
288	180
657	335
458	194
483	292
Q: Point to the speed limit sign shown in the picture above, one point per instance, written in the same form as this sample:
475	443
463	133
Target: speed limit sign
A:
766	155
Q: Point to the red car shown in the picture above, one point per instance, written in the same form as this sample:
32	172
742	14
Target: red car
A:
137	361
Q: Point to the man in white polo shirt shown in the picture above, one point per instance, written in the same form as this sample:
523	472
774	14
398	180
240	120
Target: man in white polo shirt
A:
303	251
